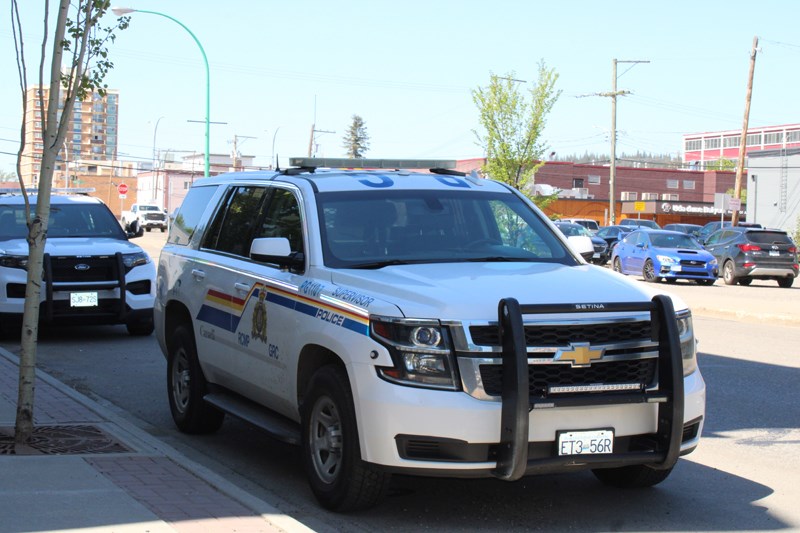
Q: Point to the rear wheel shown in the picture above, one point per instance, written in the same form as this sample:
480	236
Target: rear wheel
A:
746	281
186	387
339	479
727	273
649	272
785	282
631	477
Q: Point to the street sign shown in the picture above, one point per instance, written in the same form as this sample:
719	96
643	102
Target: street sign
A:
735	204
123	196
122	188
639	206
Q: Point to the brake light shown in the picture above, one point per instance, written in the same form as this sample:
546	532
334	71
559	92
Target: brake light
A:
792	249
749	247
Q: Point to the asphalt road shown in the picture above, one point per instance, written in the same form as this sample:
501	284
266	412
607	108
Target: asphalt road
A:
743	476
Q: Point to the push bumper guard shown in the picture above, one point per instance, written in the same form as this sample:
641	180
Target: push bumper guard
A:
119	309
513	461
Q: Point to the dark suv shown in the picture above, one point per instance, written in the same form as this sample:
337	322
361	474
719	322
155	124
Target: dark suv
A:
746	253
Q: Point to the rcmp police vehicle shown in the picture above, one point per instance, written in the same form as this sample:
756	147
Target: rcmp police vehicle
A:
426	323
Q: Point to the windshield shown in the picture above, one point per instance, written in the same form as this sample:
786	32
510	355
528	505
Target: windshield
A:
149	208
574	230
66	220
373	229
676	240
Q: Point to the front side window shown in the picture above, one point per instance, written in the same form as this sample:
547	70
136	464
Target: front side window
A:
372	229
232	228
191	211
282	219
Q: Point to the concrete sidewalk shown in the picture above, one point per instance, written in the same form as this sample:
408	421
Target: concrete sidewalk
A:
89	470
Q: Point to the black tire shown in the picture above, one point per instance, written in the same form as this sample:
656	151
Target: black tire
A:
339	479
785	283
617	265
649	272
727	273
746	281
705	281
672	280
631	477
147	229
186	387
163	229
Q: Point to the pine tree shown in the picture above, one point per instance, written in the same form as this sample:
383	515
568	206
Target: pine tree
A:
356	141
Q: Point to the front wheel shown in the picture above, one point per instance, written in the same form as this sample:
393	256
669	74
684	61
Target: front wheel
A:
705	281
339	479
631	477
727	273
186	387
617	265
649	272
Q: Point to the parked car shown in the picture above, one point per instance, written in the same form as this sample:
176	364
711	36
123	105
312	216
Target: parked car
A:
640	222
579	239
689	229
710	228
613	234
669	255
92	273
746	253
587	223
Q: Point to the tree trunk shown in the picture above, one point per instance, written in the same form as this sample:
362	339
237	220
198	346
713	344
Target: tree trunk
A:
37	236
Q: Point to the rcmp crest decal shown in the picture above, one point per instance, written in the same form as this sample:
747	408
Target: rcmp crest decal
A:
259	330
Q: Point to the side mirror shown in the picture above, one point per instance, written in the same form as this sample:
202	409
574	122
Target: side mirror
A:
276	250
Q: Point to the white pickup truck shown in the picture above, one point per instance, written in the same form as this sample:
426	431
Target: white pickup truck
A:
424	323
147	216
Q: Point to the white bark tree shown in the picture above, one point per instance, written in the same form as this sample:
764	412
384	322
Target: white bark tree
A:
78	64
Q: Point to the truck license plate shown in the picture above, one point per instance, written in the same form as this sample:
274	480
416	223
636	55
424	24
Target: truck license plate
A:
586	442
83	299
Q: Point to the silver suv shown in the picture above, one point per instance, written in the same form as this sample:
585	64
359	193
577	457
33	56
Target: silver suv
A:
92	273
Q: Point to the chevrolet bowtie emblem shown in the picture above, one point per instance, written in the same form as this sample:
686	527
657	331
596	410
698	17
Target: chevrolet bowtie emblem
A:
580	354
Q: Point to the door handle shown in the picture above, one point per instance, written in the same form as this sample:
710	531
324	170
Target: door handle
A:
241	287
199	275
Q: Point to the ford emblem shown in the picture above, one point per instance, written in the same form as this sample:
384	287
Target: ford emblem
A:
82	267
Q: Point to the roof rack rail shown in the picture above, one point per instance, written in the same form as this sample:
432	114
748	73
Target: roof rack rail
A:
67	190
353	164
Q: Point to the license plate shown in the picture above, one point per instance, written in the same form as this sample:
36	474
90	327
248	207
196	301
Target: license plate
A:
83	299
774	253
586	442
676	268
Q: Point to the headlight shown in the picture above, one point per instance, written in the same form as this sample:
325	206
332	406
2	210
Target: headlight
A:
713	261
667	260
134	260
14	261
420	351
688	343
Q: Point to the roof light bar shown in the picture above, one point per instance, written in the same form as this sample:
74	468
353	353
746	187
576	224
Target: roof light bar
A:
327	162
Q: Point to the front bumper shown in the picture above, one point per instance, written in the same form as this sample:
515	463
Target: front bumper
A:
454	434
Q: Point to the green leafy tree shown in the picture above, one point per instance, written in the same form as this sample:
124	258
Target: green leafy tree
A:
512	122
721	164
78	64
356	140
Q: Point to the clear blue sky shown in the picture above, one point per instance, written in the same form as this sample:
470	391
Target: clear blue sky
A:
408	69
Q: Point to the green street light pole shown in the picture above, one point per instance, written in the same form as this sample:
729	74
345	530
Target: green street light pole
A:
120	11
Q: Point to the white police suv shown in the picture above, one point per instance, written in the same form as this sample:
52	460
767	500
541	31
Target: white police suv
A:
426	323
92	273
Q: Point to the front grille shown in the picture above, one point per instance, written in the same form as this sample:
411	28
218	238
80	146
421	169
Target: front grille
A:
599	248
564	335
542	376
693	263
81	269
155	216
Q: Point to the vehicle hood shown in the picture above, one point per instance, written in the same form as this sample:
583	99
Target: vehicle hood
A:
683	253
77	246
471	291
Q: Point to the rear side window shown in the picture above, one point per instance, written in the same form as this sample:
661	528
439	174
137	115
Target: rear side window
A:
190	213
233	226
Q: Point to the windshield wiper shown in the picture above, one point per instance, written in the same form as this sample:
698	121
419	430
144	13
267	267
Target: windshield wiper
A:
381	264
495	259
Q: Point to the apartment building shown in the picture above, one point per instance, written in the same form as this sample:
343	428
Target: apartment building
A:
92	134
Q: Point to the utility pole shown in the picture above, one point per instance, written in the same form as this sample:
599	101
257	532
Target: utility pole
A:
312	147
737	189
235	156
612	171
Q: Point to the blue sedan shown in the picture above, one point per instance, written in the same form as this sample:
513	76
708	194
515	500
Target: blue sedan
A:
669	255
